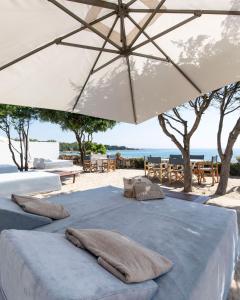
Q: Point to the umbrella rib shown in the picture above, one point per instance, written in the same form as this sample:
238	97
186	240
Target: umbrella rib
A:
130	3
104	4
89	47
55	41
95	63
131	90
149	56
168	58
77	18
123	32
186	11
165	32
147	22
106	64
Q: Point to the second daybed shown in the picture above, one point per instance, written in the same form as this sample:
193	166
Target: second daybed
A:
28	182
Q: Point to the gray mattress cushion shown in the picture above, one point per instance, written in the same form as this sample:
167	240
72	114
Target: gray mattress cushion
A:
200	240
38	265
13	217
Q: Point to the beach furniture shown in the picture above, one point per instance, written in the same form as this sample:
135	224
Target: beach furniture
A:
66	174
200	240
196	157
89	165
41	163
154	167
7	168
176	169
175	156
106	165
28	183
208	168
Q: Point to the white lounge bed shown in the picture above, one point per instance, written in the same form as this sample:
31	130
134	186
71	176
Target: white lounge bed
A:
41	163
7	168
28	183
200	240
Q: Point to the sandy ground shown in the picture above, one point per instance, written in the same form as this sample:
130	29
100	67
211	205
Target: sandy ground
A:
87	181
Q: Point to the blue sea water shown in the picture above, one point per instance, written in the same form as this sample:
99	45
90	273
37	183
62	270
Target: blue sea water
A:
164	153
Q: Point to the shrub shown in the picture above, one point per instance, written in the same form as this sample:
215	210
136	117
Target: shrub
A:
235	169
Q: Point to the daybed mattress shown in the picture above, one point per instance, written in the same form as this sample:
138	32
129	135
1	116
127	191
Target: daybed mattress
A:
28	183
201	240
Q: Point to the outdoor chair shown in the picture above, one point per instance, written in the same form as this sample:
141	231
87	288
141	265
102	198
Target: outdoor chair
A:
112	162
89	165
175	156
176	169
208	168
195	159
154	167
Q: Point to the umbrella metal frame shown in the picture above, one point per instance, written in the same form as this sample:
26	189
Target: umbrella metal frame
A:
121	11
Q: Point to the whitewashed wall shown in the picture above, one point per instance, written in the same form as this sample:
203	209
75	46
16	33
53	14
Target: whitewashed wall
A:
49	150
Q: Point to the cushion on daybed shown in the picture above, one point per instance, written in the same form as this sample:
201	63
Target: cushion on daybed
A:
41	207
39	265
129	183
13	217
145	191
123	257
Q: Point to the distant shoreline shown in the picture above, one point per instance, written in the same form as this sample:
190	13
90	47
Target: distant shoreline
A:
164	153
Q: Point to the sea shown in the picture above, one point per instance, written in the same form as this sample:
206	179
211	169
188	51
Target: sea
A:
164	153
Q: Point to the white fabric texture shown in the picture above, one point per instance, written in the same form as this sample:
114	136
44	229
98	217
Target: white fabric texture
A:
206	49
28	183
40	163
45	266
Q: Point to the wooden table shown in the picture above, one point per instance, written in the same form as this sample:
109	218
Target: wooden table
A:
66	174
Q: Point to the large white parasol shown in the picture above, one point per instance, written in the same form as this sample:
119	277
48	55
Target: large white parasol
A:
120	60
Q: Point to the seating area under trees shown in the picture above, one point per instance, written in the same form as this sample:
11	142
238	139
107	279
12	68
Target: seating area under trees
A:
172	170
178	128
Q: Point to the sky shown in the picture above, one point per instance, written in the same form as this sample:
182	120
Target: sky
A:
144	135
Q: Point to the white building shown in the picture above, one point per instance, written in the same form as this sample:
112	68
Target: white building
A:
48	150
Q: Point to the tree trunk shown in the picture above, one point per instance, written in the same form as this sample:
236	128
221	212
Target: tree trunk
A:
187	172
224	175
26	146
226	159
80	146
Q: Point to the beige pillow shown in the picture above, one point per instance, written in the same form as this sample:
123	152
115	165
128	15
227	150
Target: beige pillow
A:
129	191
145	191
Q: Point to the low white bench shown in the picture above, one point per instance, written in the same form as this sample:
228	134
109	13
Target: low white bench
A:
41	163
28	183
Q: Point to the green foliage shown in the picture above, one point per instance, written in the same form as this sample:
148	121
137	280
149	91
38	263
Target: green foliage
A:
82	126
76	122
138	163
15	123
235	169
114	147
89	146
16	115
95	148
238	159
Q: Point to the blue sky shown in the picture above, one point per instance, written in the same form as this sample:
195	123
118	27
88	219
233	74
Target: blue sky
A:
145	135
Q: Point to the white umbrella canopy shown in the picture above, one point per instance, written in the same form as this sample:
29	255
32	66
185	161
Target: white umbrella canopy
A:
121	60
